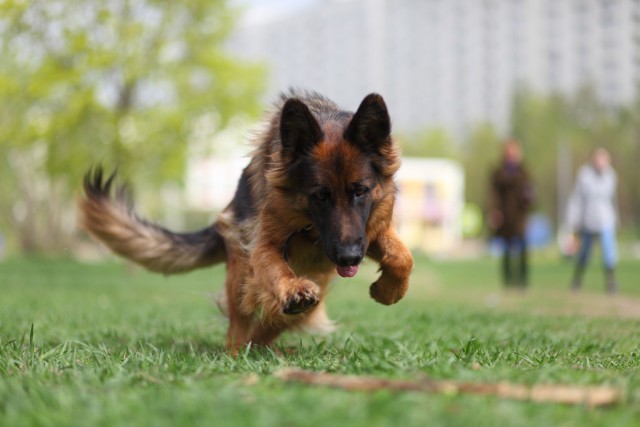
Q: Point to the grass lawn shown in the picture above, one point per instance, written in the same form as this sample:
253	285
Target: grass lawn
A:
110	345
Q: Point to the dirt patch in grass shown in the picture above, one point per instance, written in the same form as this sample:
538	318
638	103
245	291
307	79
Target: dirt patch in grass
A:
566	303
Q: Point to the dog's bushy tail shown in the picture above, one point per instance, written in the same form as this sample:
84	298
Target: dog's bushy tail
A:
112	220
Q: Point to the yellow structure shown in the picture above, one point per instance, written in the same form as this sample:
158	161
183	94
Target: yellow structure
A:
430	204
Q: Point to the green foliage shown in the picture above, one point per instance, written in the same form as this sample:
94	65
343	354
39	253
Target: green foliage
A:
543	125
114	81
480	156
581	122
103	345
434	142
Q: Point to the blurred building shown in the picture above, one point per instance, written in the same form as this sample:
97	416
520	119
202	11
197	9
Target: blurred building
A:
448	63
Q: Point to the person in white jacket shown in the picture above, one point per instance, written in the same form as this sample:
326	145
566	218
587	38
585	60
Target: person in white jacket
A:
592	213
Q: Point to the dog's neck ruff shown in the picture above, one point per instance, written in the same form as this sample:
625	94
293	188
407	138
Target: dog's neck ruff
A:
287	243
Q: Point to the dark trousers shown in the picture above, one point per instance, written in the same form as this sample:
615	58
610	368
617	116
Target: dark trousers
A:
515	268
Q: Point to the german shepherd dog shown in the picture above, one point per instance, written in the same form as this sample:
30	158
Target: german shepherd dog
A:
316	197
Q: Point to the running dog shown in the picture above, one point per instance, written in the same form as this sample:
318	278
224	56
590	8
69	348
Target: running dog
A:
315	199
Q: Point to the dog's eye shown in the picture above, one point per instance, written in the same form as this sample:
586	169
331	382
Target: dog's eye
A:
361	191
320	195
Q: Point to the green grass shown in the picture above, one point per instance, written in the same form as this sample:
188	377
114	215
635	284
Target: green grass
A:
105	344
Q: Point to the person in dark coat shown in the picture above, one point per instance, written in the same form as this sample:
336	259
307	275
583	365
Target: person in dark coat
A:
511	197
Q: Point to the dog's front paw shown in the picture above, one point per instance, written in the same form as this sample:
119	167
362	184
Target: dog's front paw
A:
301	297
388	291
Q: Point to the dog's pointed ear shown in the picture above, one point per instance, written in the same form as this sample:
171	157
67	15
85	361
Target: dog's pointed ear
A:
370	127
299	130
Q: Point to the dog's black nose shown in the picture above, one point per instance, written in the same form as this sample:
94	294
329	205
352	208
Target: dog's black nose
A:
349	255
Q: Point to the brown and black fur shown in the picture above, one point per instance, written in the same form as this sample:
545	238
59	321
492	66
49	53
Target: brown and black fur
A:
318	193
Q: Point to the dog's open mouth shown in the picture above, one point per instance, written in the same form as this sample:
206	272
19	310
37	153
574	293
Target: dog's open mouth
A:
349	271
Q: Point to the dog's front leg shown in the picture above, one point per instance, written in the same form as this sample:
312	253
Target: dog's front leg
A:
274	289
396	263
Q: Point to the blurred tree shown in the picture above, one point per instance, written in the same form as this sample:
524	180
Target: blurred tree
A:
113	81
539	123
481	154
631	172
583	122
546	125
434	142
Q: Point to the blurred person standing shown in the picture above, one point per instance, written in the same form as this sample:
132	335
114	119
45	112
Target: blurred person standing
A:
511	196
592	213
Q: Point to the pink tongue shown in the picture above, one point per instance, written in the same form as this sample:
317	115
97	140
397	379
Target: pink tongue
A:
347	271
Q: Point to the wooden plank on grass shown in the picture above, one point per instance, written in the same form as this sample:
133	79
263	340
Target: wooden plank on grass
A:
591	396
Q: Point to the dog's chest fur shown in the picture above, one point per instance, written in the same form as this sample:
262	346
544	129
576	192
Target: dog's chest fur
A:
305	255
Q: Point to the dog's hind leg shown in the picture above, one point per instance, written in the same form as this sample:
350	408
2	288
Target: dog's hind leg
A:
239	332
316	321
396	263
240	324
265	335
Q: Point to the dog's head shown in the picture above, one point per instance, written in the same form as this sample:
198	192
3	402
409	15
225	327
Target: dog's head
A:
339	168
